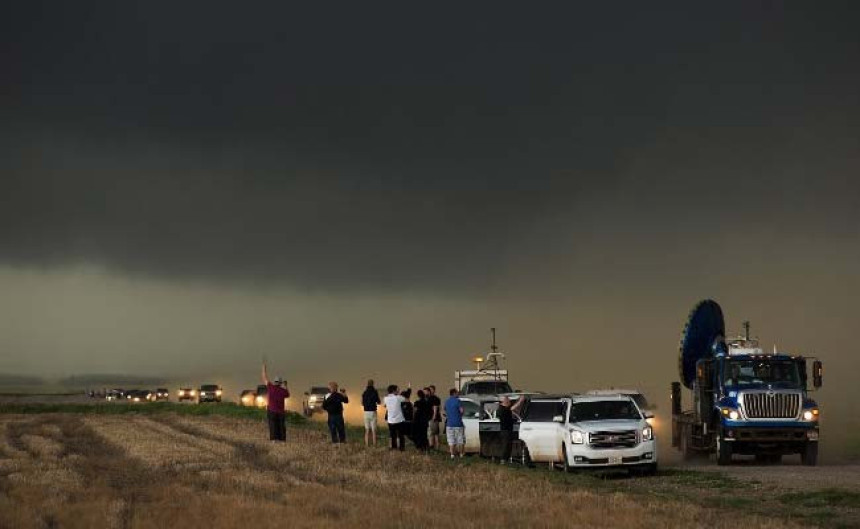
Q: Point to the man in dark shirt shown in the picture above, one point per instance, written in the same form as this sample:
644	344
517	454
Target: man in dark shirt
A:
435	416
333	404
369	401
505	413
277	393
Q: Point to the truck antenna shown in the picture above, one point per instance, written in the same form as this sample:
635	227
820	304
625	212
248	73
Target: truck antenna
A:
494	347
747	330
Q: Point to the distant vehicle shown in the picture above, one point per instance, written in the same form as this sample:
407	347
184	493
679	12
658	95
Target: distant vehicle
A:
114	394
261	397
209	393
246	398
186	394
138	395
161	394
588	431
313	400
637	396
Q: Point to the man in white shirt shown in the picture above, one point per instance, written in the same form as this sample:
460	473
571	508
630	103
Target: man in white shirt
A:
394	417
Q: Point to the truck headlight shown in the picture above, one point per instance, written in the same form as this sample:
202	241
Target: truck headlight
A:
810	415
731	413
647	433
218	393
576	437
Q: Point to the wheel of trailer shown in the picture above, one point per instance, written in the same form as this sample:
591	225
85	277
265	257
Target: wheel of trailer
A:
724	451
809	456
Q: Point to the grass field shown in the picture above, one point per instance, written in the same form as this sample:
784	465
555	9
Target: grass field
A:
212	466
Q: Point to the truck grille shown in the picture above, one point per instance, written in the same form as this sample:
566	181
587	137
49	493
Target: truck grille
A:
771	405
622	439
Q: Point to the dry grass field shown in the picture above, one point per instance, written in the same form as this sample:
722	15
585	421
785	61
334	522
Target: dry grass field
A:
178	470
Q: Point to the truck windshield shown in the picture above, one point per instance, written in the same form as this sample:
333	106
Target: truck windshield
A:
603	410
490	387
749	372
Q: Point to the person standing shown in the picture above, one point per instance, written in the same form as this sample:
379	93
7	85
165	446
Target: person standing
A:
420	421
435	416
369	401
275	413
395	419
505	413
408	411
455	430
333	405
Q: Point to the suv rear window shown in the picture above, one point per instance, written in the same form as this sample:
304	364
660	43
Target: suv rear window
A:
492	387
544	411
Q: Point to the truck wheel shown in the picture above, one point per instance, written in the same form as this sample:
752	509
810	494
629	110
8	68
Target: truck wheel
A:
724	452
809	456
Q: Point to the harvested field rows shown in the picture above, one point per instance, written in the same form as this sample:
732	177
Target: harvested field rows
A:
167	470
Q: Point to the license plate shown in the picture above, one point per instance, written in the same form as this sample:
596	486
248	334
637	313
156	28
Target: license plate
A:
614	460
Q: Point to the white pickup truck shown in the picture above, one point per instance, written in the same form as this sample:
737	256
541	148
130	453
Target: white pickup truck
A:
588	431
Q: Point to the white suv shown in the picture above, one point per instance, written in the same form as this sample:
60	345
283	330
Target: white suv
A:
582	431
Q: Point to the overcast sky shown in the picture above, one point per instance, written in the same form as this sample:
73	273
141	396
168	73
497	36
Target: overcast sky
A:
187	186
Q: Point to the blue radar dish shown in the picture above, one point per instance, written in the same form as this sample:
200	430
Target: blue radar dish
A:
704	326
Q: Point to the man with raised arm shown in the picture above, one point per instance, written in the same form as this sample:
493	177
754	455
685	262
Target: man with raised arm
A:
277	394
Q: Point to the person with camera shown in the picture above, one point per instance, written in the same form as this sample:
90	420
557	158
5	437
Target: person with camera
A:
333	405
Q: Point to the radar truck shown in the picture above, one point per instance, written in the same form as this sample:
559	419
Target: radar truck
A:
744	400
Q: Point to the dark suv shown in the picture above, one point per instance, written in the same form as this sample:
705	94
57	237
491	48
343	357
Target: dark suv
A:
209	393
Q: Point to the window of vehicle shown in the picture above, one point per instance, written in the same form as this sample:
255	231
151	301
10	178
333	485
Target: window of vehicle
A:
603	410
208	387
545	410
487	387
319	390
489	410
469	408
746	372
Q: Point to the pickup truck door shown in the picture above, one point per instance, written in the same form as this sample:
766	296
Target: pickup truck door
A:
541	434
471	416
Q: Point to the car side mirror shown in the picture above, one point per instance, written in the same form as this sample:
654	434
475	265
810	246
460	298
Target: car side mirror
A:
558	418
306	393
648	415
817	373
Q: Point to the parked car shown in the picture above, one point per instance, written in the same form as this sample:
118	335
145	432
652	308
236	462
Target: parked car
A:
209	393
246	398
588	431
114	394
313	400
138	395
261	398
471	418
186	394
161	394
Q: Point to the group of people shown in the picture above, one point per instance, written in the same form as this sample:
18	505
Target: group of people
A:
419	420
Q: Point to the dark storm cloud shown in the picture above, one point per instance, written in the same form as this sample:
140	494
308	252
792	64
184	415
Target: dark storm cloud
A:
344	147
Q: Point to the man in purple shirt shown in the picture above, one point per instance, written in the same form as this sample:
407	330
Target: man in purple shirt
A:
276	393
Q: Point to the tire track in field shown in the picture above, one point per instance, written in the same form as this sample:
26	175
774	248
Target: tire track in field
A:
252	456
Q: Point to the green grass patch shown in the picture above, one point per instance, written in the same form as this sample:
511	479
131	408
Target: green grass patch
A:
699	479
121	408
823	498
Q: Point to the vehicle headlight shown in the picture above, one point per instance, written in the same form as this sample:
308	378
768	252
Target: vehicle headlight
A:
576	437
647	433
193	392
731	413
218	393
260	399
810	415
